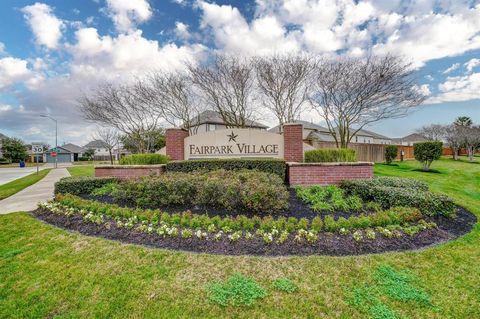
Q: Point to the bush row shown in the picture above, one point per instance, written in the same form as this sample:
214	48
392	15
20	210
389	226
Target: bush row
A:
328	198
412	184
243	190
272	166
330	155
393	216
144	159
81	185
389	196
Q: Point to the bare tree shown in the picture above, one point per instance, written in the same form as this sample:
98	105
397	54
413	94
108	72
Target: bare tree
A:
109	137
453	135
350	93
124	108
172	95
434	132
284	81
471	138
227	86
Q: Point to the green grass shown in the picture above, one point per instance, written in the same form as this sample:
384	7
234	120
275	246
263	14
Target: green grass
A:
27	164
17	185
82	170
94	163
49	272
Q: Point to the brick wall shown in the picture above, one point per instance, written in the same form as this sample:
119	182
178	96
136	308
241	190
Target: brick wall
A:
327	173
174	138
129	171
293	142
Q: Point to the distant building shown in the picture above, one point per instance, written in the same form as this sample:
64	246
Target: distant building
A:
101	151
409	140
315	133
76	150
211	121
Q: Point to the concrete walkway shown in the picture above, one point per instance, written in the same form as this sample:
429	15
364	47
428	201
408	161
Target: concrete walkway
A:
28	198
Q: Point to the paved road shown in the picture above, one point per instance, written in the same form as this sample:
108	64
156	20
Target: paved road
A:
8	174
11	173
28	198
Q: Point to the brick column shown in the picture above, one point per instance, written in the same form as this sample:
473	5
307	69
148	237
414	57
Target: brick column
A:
293	142
174	139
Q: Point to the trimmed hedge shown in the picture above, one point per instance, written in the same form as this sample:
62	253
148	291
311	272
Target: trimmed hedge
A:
390	193
244	190
81	184
391	152
144	159
273	166
427	152
325	155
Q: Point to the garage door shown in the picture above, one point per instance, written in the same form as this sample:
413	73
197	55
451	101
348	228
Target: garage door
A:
62	158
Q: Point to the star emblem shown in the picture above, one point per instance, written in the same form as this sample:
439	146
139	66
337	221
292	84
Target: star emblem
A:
232	137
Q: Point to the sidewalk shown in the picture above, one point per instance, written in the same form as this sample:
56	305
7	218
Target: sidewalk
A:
28	198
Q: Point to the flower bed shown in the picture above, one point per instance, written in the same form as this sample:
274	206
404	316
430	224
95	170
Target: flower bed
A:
337	221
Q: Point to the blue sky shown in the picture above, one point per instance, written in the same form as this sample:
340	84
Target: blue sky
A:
52	51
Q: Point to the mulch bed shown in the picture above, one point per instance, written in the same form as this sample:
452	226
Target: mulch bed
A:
328	243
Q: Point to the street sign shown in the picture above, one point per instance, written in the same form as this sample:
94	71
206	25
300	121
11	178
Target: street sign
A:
54	154
37	149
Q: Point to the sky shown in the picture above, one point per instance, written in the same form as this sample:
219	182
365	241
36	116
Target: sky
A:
52	52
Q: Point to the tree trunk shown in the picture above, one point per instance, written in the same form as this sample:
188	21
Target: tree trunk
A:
111	157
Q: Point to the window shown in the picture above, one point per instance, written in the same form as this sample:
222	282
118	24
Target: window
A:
210	127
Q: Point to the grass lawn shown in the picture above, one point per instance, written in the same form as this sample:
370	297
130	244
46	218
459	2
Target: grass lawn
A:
17	185
48	272
82	170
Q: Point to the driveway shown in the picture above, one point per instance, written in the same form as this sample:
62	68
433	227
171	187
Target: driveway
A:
9	174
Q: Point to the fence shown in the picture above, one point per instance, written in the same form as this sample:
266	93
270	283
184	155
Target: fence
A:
368	152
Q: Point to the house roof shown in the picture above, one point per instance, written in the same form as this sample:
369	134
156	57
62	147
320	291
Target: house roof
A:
414	137
363	132
73	148
306	125
59	149
96	144
318	136
213	117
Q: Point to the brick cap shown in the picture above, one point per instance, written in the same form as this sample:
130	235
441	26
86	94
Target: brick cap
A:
131	166
177	129
295	164
292	124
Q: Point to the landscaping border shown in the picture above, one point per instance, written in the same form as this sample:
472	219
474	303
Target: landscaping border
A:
129	171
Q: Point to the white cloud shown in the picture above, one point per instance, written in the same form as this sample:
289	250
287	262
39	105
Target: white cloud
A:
458	88
2	47
126	14
46	27
13	70
181	30
472	64
5	107
453	67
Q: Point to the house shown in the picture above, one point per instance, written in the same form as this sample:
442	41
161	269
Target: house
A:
101	150
76	150
211	120
63	155
315	133
409	140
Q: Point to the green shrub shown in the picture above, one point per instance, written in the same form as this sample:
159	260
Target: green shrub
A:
4	160
388	192
364	184
243	190
144	159
328	198
427	152
391	152
237	290
81	185
330	155
272	166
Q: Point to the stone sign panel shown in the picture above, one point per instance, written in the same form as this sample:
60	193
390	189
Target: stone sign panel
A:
234	143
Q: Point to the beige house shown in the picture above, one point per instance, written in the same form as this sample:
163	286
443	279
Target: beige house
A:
409	140
211	121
